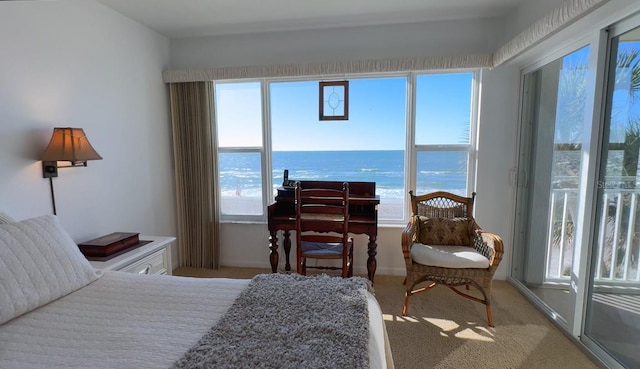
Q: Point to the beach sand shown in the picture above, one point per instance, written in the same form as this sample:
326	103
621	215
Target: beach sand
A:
241	205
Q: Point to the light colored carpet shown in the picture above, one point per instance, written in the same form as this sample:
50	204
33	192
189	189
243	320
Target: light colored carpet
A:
444	330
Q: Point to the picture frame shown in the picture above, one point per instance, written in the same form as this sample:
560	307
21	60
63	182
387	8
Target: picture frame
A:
334	100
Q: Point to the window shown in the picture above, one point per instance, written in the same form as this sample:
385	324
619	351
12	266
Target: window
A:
443	138
240	149
368	147
373	145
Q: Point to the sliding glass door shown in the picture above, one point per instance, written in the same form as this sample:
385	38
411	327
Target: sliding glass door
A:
576	250
613	305
551	142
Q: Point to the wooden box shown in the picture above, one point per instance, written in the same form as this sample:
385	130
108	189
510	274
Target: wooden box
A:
109	244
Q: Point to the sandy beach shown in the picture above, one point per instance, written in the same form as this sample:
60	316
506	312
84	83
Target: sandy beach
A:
248	205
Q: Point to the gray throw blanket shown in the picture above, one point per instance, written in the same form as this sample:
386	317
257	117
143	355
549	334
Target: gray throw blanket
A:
289	321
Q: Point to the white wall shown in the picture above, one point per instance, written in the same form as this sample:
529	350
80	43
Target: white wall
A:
77	63
497	154
527	13
373	42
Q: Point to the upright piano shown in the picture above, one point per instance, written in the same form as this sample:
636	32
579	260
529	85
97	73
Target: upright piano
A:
363	218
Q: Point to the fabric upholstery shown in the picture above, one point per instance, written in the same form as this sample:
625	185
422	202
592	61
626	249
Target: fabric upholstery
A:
39	263
130	320
6	218
448	256
443	231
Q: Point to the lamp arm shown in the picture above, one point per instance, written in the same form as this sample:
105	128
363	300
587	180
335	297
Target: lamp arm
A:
53	196
74	164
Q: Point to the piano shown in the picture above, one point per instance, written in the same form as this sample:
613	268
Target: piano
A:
363	211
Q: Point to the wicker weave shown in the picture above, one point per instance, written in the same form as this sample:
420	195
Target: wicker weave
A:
444	205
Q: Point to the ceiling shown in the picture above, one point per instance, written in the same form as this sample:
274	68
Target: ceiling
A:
190	18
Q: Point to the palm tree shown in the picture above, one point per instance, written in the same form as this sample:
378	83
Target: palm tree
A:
627	79
572	93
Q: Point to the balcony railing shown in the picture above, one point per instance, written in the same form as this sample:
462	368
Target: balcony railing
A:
618	251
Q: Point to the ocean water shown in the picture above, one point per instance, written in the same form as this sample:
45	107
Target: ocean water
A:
240	174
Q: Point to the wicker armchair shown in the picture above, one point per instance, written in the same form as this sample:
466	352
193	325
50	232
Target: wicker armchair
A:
442	244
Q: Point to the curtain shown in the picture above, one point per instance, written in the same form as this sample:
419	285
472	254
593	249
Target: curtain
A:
196	174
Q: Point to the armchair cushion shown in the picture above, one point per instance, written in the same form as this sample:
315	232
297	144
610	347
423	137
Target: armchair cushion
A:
448	256
444	231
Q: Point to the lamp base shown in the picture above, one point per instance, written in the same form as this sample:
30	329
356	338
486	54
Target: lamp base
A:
49	169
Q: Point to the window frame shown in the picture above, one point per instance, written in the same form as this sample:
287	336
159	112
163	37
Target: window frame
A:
470	147
261	150
411	149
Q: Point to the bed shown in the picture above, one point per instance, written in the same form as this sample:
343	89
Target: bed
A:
58	312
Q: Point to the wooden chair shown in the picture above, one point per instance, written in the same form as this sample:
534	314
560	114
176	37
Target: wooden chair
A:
442	244
322	228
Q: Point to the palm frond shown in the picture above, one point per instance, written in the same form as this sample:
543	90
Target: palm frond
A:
628	71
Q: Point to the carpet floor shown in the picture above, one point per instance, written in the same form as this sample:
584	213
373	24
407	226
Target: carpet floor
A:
444	330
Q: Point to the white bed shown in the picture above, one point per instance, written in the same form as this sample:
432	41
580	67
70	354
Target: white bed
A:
88	319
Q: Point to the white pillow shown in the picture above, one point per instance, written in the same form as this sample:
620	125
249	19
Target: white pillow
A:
6	218
39	262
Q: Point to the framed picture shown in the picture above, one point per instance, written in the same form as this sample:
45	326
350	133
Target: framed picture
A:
334	100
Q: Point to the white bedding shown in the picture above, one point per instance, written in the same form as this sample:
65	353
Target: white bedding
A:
125	320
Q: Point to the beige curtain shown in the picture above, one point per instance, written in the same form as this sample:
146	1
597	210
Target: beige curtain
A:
196	174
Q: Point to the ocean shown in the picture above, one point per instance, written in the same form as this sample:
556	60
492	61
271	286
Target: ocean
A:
240	173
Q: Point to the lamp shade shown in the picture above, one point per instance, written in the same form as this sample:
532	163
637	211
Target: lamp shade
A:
69	144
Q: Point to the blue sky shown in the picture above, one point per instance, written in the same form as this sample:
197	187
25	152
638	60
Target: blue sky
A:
376	117
377	114
625	109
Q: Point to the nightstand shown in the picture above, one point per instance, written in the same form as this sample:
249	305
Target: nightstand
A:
152	258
